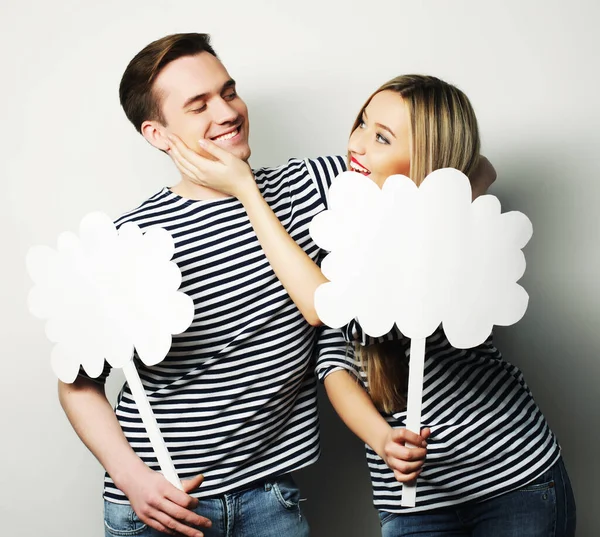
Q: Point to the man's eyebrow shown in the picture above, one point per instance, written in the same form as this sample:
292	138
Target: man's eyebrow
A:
194	99
229	84
203	96
380	125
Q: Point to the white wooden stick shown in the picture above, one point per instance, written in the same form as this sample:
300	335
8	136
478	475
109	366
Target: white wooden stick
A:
413	407
149	421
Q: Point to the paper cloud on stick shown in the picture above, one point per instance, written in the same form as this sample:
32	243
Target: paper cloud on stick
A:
420	256
105	292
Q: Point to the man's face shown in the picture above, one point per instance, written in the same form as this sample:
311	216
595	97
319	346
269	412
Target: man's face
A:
199	100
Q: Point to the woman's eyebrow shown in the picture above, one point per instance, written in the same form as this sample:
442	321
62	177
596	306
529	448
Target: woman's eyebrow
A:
380	125
385	128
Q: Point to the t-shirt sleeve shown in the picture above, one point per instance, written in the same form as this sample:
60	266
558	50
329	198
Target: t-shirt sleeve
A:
354	333
100	379
329	355
323	170
333	353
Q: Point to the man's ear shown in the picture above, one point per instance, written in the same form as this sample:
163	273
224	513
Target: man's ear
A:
156	134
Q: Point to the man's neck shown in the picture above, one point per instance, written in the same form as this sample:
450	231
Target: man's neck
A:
186	189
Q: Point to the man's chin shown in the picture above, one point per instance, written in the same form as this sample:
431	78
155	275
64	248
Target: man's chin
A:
243	153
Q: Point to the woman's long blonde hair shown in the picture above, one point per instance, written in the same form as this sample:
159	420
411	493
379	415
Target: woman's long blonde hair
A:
443	134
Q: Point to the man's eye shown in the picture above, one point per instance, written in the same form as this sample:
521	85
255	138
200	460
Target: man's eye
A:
230	96
198	110
382	140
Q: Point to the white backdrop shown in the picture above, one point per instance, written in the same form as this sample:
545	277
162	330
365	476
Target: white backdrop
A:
304	69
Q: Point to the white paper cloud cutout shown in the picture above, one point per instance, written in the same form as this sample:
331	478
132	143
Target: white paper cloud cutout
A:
104	293
419	257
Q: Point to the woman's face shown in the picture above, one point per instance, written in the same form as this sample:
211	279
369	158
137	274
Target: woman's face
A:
380	145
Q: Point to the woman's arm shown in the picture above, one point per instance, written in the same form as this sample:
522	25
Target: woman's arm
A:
354	406
297	272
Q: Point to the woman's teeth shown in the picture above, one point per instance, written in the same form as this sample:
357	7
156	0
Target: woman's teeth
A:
357	167
227	136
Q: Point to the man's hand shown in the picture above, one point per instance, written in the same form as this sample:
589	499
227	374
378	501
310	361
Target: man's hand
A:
226	173
405	461
162	506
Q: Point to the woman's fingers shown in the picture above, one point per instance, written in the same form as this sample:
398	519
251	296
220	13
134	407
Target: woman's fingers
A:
405	460
406	478
404	453
405	436
184	165
213	149
202	162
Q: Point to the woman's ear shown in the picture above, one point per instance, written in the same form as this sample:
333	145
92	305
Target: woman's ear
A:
156	134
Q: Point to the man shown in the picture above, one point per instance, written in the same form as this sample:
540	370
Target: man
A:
235	397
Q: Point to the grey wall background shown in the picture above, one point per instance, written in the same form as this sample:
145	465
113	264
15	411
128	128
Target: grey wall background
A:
530	68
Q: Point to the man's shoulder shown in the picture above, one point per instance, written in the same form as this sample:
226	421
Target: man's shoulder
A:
333	161
327	167
273	171
321	169
157	203
315	174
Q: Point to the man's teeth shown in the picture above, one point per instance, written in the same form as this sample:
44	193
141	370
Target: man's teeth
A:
358	167
227	136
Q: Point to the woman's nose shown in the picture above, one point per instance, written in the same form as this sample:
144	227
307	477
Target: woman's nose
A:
356	144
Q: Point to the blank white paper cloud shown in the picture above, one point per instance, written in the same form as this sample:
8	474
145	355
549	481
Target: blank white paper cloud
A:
105	292
419	257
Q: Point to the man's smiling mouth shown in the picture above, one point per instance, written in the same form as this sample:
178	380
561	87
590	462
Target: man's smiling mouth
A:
226	136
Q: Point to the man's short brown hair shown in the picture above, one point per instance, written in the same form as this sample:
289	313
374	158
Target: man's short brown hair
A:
138	98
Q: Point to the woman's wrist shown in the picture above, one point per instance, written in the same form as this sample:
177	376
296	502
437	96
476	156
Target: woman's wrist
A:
248	192
381	439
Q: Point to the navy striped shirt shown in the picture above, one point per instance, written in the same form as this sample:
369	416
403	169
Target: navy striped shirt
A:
488	436
235	398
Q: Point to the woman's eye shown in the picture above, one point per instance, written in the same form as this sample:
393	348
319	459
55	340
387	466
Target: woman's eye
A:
361	124
382	140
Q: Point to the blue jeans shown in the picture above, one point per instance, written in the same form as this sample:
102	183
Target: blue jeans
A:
543	508
269	510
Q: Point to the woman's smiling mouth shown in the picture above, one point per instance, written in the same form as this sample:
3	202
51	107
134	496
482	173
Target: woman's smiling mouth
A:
358	167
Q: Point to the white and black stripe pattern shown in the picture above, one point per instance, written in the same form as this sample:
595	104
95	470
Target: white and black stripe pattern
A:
235	398
488	436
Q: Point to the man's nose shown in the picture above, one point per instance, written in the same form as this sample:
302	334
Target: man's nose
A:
224	112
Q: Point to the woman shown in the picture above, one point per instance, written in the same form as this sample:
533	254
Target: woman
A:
492	465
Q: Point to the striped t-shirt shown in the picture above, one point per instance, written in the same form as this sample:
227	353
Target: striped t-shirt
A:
235	398
488	436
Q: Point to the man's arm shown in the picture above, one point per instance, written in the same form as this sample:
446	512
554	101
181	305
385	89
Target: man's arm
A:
157	502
